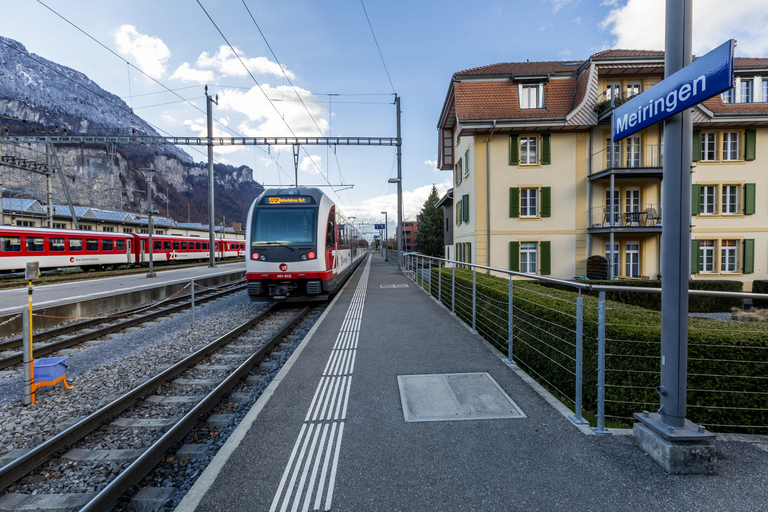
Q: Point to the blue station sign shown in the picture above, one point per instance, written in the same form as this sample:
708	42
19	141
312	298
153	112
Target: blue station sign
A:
379	226
705	77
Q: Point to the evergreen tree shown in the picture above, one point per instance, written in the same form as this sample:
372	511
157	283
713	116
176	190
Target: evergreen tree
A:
429	238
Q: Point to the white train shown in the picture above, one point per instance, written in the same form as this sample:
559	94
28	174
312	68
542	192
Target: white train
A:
300	246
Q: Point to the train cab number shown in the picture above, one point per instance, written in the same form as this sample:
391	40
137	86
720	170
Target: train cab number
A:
284	276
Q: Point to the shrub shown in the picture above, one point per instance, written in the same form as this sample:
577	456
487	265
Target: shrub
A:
760	286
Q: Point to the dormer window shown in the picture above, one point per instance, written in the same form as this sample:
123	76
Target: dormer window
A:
746	90
531	95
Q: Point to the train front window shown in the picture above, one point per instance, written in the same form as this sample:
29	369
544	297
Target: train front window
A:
284	226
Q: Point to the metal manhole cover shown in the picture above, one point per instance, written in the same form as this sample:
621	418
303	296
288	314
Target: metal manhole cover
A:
454	396
393	285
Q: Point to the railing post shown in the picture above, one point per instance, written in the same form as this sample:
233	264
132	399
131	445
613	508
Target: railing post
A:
577	417
474	299
453	289
601	367
440	281
192	285
430	276
510	321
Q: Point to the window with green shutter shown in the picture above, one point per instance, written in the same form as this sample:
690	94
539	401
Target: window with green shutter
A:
749	256
466	163
750	144
696	145
546	152
465	207
749	199
546	201
514	256
514	202
469	252
514	151
545	264
458	212
694	256
695	199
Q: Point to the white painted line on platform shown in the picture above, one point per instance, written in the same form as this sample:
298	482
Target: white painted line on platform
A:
331	399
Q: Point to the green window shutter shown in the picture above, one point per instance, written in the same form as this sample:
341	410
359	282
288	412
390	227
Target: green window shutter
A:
695	199
460	170
514	256
546	153
749	199
546	267
546	201
696	145
749	255
466	161
465	207
514	157
469	252
514	202
694	256
750	143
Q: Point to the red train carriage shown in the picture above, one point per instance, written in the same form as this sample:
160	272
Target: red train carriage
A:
300	246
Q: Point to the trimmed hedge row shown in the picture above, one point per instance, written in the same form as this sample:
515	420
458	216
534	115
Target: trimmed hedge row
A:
725	391
696	304
760	286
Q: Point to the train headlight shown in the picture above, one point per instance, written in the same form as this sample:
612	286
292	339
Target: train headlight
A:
304	257
311	255
254	256
263	257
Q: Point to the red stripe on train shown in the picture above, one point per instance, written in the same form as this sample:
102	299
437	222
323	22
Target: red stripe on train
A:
261	276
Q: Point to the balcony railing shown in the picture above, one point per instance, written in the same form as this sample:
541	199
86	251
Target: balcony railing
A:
628	156
615	96
635	216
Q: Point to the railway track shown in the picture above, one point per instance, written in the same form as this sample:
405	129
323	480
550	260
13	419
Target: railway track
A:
222	364
91	328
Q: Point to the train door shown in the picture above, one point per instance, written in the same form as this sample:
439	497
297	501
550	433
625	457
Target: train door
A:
142	251
330	240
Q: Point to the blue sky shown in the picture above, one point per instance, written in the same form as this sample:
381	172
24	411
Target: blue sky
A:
328	52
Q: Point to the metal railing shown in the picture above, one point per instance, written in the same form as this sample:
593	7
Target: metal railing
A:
629	156
602	357
615	96
636	216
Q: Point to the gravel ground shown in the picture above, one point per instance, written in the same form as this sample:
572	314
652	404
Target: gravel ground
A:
100	373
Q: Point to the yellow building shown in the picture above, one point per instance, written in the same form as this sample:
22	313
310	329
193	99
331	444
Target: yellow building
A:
538	187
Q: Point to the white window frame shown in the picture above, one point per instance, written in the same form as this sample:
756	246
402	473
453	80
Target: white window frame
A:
632	259
729	96
708	146
616	257
730	146
531	95
633	152
729	256
764	90
529	155
730	198
633	88
707	256
529	203
616	163
708	202
529	252
746	90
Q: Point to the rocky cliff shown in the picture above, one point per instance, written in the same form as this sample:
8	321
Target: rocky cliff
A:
40	96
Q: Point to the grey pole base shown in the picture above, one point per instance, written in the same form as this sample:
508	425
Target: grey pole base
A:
151	274
690	432
677	457
578	421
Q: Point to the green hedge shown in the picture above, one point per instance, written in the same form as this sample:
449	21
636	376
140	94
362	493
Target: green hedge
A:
720	358
760	286
696	303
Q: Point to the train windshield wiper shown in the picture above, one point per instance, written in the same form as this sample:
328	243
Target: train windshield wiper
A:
280	244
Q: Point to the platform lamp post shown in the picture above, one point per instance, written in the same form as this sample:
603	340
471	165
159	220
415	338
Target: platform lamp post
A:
385	236
399	229
148	174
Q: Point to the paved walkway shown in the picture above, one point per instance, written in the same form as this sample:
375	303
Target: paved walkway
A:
355	451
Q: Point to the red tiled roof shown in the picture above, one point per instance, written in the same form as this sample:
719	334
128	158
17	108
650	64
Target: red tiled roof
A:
716	105
523	68
499	100
622	54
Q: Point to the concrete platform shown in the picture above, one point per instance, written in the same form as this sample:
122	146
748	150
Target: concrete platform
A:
330	433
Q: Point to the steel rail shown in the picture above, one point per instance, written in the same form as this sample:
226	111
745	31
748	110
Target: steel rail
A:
86	336
16	469
86	324
133	474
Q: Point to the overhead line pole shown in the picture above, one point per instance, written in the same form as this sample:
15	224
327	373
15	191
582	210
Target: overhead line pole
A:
399	184
211	245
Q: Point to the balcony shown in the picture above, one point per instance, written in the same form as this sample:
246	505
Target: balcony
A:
644	218
615	96
628	160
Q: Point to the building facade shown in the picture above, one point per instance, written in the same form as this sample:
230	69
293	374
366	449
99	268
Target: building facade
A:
538	186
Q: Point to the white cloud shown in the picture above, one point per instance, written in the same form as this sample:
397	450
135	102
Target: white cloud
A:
559	4
311	164
432	164
266	120
639	24
413	201
187	74
565	54
150	53
228	64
